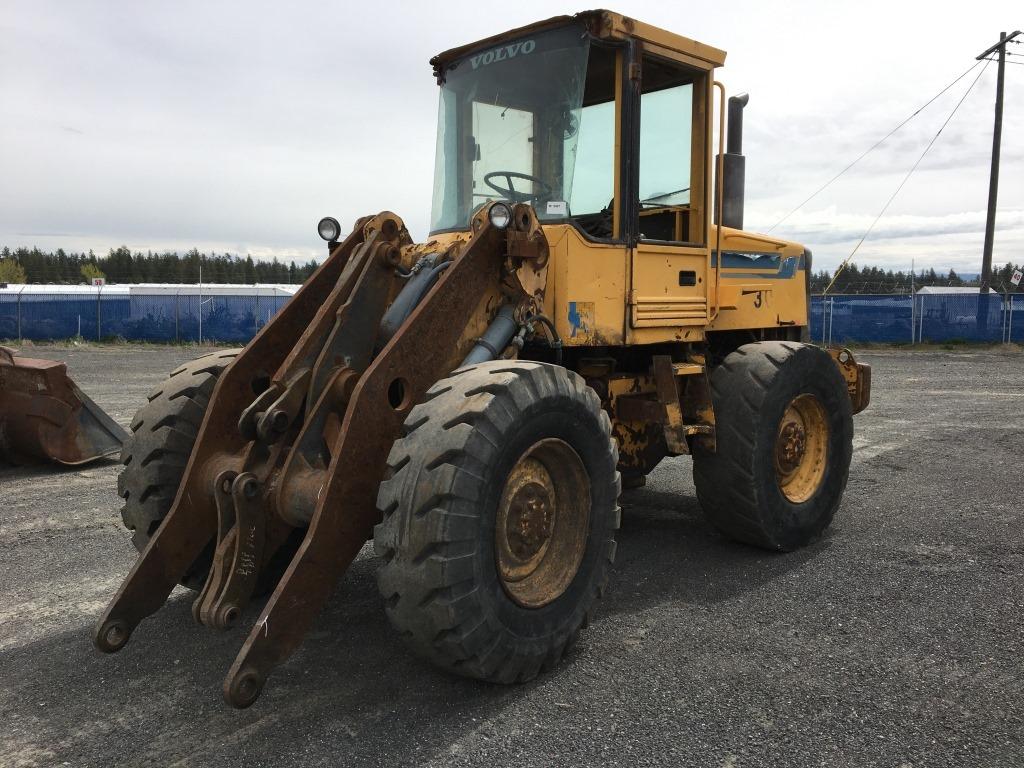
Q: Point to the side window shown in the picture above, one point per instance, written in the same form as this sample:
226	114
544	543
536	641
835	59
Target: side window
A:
593	182
666	118
671	172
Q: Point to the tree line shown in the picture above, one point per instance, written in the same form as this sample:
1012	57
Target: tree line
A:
120	265
854	279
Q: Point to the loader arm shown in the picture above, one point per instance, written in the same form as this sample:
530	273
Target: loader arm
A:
311	448
193	521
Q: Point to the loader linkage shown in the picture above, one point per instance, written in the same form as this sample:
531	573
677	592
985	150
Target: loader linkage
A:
298	430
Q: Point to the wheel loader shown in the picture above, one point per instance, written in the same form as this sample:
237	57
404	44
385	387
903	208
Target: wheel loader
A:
586	304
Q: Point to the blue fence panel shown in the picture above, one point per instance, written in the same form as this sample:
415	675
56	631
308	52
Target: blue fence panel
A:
8	316
158	317
1015	320
229	318
223	318
237	318
52	316
817	318
145	318
933	317
115	314
846	319
960	317
882	319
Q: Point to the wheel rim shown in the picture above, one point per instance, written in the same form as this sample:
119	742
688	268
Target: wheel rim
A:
542	523
801	448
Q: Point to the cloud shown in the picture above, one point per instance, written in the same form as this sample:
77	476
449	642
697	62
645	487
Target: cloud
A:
941	241
190	124
829	226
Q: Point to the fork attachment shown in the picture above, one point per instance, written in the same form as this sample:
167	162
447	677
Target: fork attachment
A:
298	430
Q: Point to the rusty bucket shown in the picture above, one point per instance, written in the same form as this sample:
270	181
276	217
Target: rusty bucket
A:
44	416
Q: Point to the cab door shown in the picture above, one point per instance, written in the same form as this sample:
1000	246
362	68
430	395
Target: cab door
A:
670	265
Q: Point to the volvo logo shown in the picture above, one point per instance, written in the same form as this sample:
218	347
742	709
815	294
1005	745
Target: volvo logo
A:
504	52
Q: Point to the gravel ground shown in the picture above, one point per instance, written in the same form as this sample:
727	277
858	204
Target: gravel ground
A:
894	641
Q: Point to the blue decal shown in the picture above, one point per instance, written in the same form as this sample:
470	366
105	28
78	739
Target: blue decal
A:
581	318
763	262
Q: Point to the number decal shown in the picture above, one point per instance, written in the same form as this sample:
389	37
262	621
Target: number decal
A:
759	298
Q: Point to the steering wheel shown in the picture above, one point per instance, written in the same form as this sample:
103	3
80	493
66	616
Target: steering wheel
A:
510	192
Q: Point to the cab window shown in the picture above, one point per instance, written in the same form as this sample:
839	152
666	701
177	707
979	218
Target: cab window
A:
671	172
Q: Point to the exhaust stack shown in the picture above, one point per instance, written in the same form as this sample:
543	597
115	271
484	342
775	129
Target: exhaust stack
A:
734	165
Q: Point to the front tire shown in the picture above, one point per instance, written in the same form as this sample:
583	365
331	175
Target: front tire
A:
499	515
784	439
163	434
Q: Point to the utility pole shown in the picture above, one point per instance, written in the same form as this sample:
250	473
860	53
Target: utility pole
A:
993	182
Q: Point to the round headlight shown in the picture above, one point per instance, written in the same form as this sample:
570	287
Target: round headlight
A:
500	215
329	228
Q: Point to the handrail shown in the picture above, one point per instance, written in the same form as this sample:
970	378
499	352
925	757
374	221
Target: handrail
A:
719	196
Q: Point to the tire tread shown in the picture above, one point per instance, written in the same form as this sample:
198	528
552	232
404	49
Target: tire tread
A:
427	546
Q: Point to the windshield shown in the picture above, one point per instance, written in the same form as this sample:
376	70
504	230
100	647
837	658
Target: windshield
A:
508	127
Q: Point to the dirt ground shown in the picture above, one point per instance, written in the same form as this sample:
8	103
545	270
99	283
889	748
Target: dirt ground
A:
894	641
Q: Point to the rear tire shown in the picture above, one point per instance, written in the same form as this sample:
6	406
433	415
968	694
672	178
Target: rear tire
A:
453	579
784	438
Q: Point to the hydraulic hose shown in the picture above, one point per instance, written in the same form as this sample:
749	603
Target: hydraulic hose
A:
554	340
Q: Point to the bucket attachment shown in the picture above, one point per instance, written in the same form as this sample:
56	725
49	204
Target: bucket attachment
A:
44	416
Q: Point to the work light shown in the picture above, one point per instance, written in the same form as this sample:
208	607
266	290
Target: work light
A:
329	228
500	215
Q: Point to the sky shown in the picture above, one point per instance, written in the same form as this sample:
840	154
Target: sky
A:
234	127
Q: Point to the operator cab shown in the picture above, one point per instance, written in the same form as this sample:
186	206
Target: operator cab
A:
596	120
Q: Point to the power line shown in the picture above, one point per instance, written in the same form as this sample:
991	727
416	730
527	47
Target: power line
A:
907	177
874	146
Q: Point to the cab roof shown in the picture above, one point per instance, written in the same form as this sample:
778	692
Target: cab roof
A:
603	24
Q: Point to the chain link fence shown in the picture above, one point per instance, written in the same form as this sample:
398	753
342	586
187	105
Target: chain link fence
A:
160	318
168	317
922	318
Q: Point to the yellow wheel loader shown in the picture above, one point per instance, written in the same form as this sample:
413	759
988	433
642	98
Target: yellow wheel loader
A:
586	304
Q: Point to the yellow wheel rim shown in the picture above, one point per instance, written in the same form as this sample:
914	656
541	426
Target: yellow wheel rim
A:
801	448
542	523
